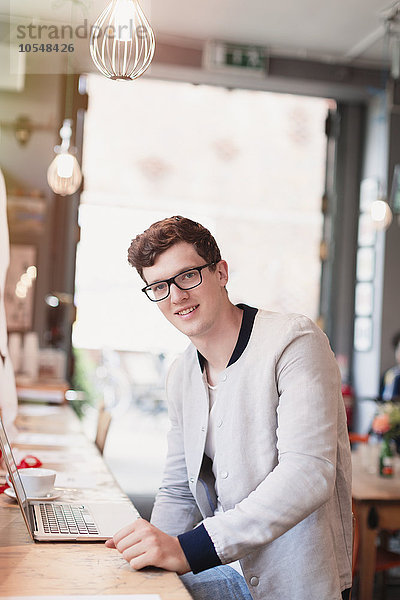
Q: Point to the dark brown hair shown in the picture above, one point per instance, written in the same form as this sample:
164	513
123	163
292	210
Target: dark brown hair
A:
160	236
396	340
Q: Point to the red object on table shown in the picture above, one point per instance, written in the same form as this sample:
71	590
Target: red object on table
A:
28	462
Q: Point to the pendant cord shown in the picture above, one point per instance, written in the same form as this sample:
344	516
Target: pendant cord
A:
69	90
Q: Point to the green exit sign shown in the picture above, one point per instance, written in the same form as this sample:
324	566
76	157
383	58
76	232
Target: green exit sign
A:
243	57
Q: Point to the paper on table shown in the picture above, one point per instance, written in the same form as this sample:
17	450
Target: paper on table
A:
37	410
76	480
48	439
64	479
48	456
79	597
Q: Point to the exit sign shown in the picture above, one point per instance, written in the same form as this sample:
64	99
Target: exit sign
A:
241	57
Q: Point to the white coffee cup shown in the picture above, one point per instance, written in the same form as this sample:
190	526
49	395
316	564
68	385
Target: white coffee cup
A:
37	482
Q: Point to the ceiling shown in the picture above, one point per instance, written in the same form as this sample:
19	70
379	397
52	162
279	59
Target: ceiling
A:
328	29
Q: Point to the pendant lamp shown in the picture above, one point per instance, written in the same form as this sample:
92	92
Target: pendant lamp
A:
381	215
64	174
122	42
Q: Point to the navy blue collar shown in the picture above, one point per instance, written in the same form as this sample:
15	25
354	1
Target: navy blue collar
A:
249	314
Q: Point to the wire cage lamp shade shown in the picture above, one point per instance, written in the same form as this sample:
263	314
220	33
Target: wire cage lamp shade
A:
122	42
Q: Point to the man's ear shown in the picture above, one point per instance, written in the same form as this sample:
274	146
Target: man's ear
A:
222	270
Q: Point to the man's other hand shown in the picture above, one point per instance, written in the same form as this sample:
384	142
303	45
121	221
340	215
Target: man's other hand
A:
143	545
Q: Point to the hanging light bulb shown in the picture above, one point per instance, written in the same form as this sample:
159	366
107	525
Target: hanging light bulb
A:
64	174
122	41
381	215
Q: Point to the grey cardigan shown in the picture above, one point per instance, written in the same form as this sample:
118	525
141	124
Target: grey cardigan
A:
285	476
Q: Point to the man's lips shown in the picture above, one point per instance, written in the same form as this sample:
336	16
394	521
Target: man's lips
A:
186	311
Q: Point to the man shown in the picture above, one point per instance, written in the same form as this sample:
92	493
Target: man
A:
258	439
390	387
391	378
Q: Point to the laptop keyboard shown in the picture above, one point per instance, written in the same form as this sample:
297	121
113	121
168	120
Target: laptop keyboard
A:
67	518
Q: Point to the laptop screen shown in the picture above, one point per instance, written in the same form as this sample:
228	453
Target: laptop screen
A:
14	476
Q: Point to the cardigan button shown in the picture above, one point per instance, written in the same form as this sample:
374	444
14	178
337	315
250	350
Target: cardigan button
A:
224	474
219	424
254	581
203	428
191	480
224	377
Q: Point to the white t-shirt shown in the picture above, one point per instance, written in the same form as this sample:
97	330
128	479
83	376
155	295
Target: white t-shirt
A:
212	432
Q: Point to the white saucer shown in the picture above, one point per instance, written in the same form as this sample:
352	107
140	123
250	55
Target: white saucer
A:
51	496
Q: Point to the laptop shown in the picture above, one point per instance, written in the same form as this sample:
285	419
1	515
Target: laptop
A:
65	521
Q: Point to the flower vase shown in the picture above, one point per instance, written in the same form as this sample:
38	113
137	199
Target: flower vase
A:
386	459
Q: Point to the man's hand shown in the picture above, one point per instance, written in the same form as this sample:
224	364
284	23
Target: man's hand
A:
143	545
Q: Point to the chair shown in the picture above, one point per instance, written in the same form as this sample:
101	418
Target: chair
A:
385	559
103	426
356	544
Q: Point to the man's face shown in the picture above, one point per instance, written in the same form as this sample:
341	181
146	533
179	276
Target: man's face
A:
194	312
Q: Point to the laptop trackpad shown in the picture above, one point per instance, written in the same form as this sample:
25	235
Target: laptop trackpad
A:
111	517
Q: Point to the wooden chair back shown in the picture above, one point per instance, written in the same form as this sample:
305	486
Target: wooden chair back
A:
103	426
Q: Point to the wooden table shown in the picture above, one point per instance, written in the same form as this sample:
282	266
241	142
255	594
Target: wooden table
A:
52	391
376	502
41	568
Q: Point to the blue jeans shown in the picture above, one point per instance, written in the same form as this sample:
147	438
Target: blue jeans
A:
218	583
221	583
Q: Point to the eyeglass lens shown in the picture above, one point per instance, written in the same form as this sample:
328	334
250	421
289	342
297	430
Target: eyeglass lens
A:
184	281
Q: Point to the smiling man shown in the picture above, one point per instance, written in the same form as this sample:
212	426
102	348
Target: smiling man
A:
256	496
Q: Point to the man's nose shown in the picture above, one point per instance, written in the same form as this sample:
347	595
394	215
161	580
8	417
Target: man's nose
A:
177	295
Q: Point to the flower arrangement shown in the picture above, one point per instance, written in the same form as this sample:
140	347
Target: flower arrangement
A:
387	421
387	424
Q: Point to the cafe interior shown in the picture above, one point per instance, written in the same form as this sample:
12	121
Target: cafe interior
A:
277	126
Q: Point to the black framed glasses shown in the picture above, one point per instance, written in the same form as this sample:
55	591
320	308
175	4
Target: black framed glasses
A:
186	280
